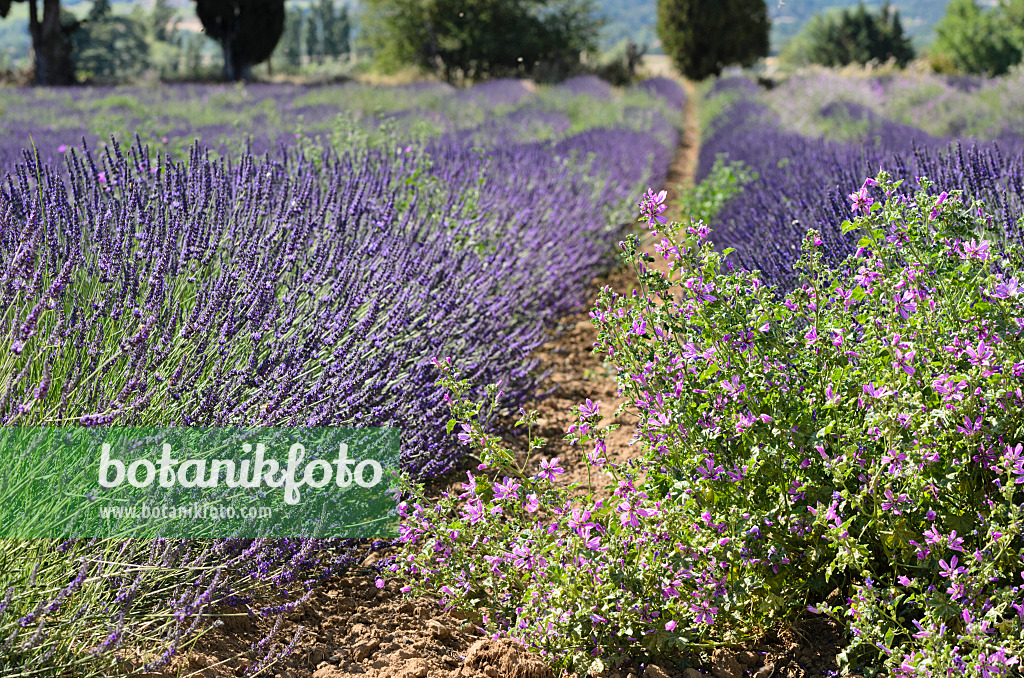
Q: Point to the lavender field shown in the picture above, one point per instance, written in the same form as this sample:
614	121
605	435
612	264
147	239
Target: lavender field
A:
822	361
281	256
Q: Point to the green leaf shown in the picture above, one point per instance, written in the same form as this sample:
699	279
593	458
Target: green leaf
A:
710	371
451	425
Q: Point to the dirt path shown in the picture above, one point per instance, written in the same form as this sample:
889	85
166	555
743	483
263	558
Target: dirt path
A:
576	372
354	629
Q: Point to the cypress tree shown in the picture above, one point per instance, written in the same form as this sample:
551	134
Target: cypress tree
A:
247	30
704	36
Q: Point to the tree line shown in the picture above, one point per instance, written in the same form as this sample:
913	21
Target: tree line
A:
107	46
460	40
702	36
970	38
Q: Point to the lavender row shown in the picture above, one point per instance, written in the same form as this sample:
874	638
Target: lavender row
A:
268	116
667	89
297	292
804	182
948	106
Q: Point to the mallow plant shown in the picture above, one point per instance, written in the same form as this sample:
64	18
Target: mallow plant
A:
852	449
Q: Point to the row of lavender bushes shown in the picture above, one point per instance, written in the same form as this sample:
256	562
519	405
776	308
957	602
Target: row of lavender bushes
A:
803	182
941	105
305	287
224	117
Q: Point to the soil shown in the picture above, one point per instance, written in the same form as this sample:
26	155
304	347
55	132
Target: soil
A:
354	629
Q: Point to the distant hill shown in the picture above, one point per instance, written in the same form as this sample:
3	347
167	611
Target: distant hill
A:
635	19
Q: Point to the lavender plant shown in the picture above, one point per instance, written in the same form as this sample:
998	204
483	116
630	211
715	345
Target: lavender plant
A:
852	448
666	88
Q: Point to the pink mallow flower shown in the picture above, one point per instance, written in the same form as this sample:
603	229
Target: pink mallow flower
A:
653	204
877	391
861	200
549	469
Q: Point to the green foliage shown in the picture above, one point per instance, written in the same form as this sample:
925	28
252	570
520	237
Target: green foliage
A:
327	34
975	40
247	31
789	19
110	47
619	66
477	39
290	46
317	34
161	21
703	201
855	36
192	51
704	36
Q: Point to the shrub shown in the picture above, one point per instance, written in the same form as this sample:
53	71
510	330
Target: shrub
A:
856	36
976	40
110	48
477	39
853	449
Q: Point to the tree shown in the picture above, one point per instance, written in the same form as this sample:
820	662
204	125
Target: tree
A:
340	43
974	40
110	48
290	47
247	30
328	30
192	51
704	36
160	19
51	41
855	36
475	39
